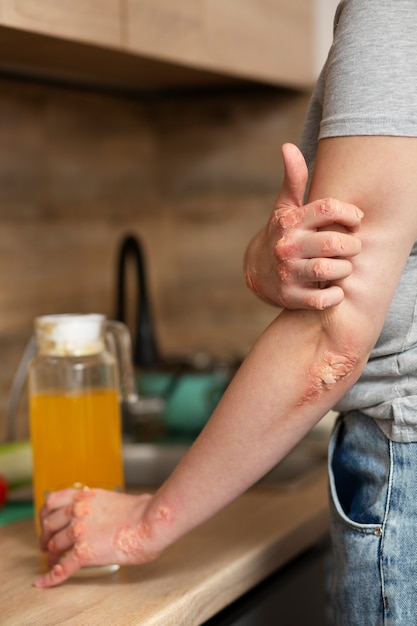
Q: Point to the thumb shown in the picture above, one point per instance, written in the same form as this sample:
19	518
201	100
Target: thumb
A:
295	176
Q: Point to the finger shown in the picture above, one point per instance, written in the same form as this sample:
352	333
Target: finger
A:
53	523
56	500
327	244
326	211
303	297
322	299
302	272
295	177
323	215
66	567
64	539
299	244
324	270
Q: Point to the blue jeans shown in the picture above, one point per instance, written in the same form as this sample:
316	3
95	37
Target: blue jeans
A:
373	493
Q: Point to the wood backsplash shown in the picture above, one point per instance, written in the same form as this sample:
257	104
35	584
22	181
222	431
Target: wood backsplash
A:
194	176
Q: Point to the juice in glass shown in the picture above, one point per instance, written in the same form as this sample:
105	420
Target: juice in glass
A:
76	440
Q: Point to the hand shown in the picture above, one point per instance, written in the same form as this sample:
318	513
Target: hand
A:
303	249
93	527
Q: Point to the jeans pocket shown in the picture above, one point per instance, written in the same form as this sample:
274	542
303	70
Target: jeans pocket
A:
358	473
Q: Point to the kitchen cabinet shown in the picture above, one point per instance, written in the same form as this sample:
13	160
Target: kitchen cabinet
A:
91	21
296	594
262	40
150	44
84	42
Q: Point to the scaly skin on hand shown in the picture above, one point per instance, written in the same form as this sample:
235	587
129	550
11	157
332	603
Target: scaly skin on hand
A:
95	527
303	247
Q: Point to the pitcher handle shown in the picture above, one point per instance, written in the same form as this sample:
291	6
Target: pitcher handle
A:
135	410
120	345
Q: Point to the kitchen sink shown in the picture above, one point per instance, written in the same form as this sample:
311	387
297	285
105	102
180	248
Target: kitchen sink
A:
149	464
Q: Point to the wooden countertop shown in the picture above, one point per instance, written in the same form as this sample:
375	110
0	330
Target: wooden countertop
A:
192	581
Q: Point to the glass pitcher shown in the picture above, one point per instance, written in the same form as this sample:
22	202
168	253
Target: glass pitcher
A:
74	404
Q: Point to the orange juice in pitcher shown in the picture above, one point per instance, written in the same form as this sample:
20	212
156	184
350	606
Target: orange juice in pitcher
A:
75	441
74	405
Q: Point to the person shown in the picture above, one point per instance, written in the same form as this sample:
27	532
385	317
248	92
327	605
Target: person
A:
344	271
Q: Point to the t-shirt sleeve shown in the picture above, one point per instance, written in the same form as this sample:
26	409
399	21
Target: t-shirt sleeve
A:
370	78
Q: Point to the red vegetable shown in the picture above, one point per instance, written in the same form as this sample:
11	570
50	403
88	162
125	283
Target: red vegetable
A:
3	490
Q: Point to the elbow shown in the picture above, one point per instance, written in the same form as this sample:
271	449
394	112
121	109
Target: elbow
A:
340	357
332	371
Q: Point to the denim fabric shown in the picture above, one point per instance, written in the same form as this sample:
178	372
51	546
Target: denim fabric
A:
373	494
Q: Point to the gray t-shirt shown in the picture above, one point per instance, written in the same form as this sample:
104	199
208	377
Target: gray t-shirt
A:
369	87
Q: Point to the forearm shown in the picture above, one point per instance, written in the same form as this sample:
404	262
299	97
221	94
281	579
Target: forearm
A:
294	374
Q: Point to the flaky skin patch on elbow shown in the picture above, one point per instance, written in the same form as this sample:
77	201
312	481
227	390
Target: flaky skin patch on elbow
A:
333	368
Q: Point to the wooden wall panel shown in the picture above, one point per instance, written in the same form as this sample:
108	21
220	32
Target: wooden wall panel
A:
195	177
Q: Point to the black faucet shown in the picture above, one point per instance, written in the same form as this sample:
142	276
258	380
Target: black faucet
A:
145	350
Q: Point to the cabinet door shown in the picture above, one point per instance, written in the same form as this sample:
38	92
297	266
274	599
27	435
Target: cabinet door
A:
92	21
267	40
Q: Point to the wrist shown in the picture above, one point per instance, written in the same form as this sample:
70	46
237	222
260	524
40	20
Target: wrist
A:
158	524
140	538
